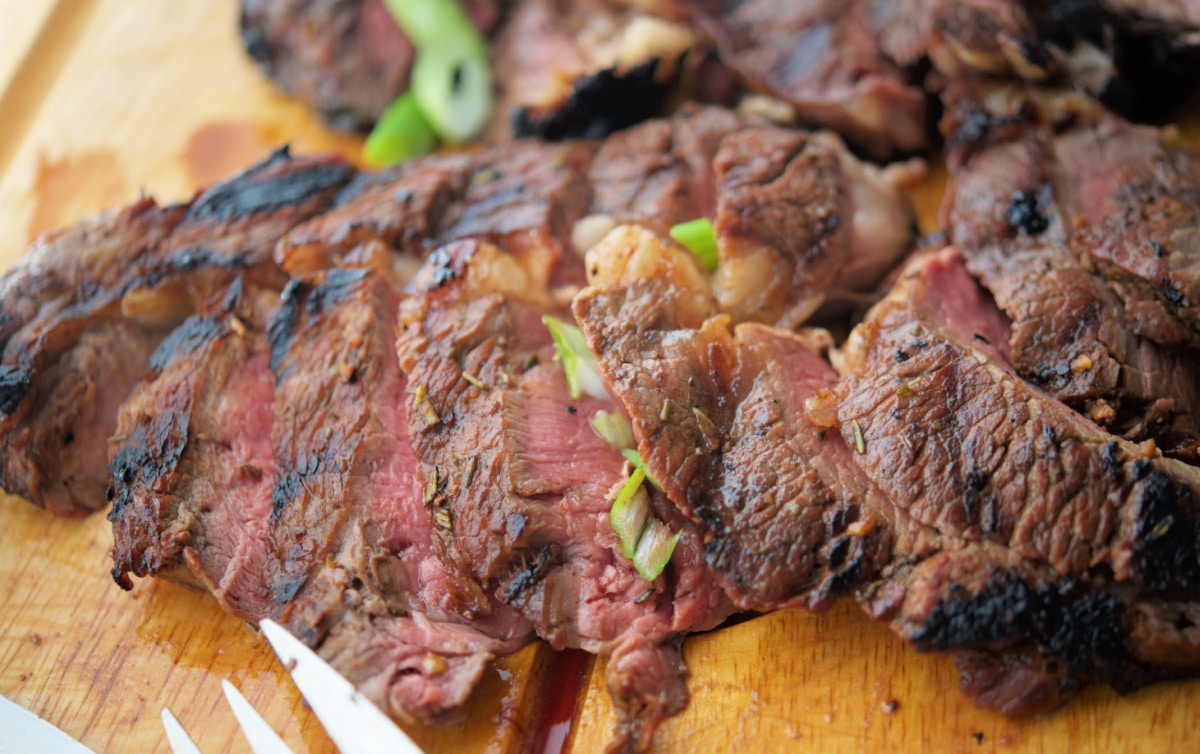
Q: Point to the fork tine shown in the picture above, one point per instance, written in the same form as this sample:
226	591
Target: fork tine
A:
262	737
177	737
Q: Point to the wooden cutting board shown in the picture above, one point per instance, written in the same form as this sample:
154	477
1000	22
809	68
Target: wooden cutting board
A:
101	99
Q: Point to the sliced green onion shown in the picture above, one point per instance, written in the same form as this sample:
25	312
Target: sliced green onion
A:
645	540
635	459
700	239
451	76
426	21
654	549
614	429
452	80
402	132
580	367
630	511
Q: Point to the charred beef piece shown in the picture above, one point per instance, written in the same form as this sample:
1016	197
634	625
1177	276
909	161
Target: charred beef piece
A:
824	58
346	58
351	568
778	264
192	465
1064	229
518	485
85	307
583	68
1023	523
720	422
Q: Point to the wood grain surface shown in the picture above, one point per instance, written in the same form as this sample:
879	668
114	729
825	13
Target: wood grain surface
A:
101	99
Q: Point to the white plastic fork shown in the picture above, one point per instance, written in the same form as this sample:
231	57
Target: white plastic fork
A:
259	734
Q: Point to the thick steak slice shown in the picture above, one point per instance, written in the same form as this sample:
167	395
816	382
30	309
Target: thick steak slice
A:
1023	522
824	58
351	567
192	465
1034	214
719	419
518	485
84	308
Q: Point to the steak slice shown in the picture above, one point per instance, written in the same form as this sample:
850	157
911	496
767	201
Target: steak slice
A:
1023	522
777	265
350	565
568	69
824	58
720	422
1031	209
518	485
85	307
192	465
526	196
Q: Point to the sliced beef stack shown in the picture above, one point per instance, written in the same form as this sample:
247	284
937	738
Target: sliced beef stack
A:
1083	227
411	509
86	306
1023	522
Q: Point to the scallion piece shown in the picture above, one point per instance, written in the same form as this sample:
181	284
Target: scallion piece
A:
402	132
426	21
700	239
451	76
453	82
580	367
635	459
654	549
645	540
614	429
629	512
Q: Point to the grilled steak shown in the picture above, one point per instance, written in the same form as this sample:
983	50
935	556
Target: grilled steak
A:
824	58
192	465
518	485
1063	229
1023	522
776	265
719	419
351	568
85	307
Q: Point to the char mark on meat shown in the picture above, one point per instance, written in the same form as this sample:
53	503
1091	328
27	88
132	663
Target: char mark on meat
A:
86	306
719	419
350	567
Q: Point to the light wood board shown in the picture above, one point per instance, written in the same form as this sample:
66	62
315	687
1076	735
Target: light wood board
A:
101	99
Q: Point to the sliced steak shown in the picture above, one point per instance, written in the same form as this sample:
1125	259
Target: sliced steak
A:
518	485
85	307
1023	522
720	422
824	58
192	465
351	568
346	58
526	197
776	265
583	68
1034	211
